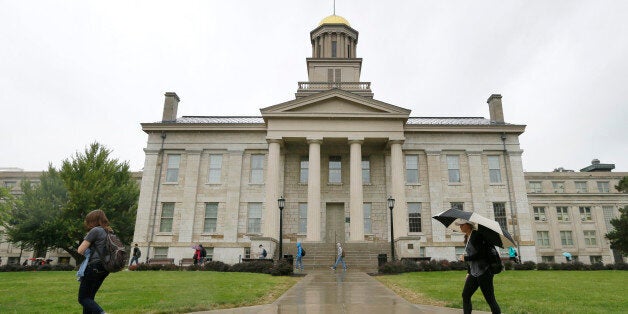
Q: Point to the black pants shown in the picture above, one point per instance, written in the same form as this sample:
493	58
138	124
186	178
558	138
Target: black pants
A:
92	280
485	282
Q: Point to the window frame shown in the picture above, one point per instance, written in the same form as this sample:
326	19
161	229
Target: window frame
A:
453	168
367	209
172	170
494	172
366	170
581	187
585	213
302	218
254	222
333	171
416	221
539	213
411	170
209	220
166	223
214	174
603	186
534	188
542	238
304	169
566	238
590	238
562	213
501	219
257	169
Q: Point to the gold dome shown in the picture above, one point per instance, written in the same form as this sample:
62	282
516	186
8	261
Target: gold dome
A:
334	19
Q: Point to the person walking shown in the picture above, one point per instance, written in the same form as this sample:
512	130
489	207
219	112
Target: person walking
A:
478	272
340	258
94	274
512	255
203	255
262	252
299	263
136	255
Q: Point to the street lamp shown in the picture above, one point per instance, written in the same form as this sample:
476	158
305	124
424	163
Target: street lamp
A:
391	205
281	202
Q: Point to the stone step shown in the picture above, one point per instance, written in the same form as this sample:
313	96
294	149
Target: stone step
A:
358	256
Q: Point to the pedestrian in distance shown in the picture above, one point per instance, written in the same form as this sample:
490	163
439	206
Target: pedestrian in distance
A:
94	272
262	252
203	255
340	258
136	255
299	263
479	275
512	255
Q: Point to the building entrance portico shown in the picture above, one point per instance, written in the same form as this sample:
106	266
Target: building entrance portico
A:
335	223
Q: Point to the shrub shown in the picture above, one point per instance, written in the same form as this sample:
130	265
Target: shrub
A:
216	266
410	266
529	265
543	266
394	267
620	266
458	265
168	267
281	268
252	267
597	266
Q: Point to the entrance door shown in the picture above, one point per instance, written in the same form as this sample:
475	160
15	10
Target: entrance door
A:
335	223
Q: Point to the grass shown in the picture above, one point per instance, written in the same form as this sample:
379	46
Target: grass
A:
521	291
140	292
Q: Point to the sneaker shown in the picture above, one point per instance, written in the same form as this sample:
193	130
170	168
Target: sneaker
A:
332	268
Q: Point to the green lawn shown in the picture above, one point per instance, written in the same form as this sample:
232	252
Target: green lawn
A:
522	291
140	292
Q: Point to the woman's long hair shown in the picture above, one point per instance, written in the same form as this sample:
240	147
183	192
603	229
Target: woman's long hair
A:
97	218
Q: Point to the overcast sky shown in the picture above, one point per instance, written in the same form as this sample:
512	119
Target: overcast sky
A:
75	72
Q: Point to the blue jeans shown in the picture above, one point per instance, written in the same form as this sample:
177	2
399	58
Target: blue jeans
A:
299	263
93	278
338	260
134	259
485	283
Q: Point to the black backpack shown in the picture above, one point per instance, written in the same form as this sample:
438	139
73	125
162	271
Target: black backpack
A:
494	260
302	252
115	256
264	253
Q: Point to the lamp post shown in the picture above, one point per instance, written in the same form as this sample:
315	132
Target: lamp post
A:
281	202
391	205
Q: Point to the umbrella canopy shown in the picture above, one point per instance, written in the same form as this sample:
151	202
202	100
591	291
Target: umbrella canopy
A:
567	254
490	229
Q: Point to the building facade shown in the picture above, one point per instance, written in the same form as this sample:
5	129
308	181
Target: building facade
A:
336	154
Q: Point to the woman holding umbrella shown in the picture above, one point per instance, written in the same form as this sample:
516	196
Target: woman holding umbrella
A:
478	273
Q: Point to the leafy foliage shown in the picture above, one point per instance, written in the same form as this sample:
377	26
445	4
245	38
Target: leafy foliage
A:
50	215
619	235
622	186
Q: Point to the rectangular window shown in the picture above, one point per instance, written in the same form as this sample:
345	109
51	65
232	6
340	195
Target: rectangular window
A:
172	172
459	250
255	218
585	213
305	168
412	169
559	187
366	170
495	172
562	213
211	217
302	218
581	187
368	224
334	46
333	75
414	217
167	215
539	213
535	187
542	238
422	251
499	210
547	259
608	216
161	252
215	168
457	205
594	259
453	167
10	184
335	169
603	187
566	238
210	253
247	252
589	238
257	169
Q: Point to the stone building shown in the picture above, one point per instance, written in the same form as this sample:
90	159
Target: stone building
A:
335	154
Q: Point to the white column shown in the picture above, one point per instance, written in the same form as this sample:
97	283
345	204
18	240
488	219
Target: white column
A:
356	211
520	197
192	164
314	191
436	193
146	203
476	175
270	215
233	166
400	212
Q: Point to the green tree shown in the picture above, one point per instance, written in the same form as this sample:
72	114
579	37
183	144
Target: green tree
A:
619	235
7	202
51	215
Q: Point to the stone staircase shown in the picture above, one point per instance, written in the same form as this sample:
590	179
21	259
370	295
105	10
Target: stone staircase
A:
358	256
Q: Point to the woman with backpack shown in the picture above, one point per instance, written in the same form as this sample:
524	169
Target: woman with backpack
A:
299	263
94	274
479	275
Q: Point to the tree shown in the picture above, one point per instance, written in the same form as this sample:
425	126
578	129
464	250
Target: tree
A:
7	202
619	235
52	213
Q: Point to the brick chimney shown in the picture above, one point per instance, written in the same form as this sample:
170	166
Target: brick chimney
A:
171	104
495	108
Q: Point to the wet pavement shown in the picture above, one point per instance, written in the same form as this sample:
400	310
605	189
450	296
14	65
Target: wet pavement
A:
339	292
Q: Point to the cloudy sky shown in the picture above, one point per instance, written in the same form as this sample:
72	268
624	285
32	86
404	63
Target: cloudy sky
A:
75	72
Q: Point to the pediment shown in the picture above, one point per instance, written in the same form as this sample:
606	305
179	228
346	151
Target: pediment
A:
335	103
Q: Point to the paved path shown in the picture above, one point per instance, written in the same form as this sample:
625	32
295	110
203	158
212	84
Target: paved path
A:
339	292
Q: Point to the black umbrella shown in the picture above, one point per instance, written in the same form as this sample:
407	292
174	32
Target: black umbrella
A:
490	229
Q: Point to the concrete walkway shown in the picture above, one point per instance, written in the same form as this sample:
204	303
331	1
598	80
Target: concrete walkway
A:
339	292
